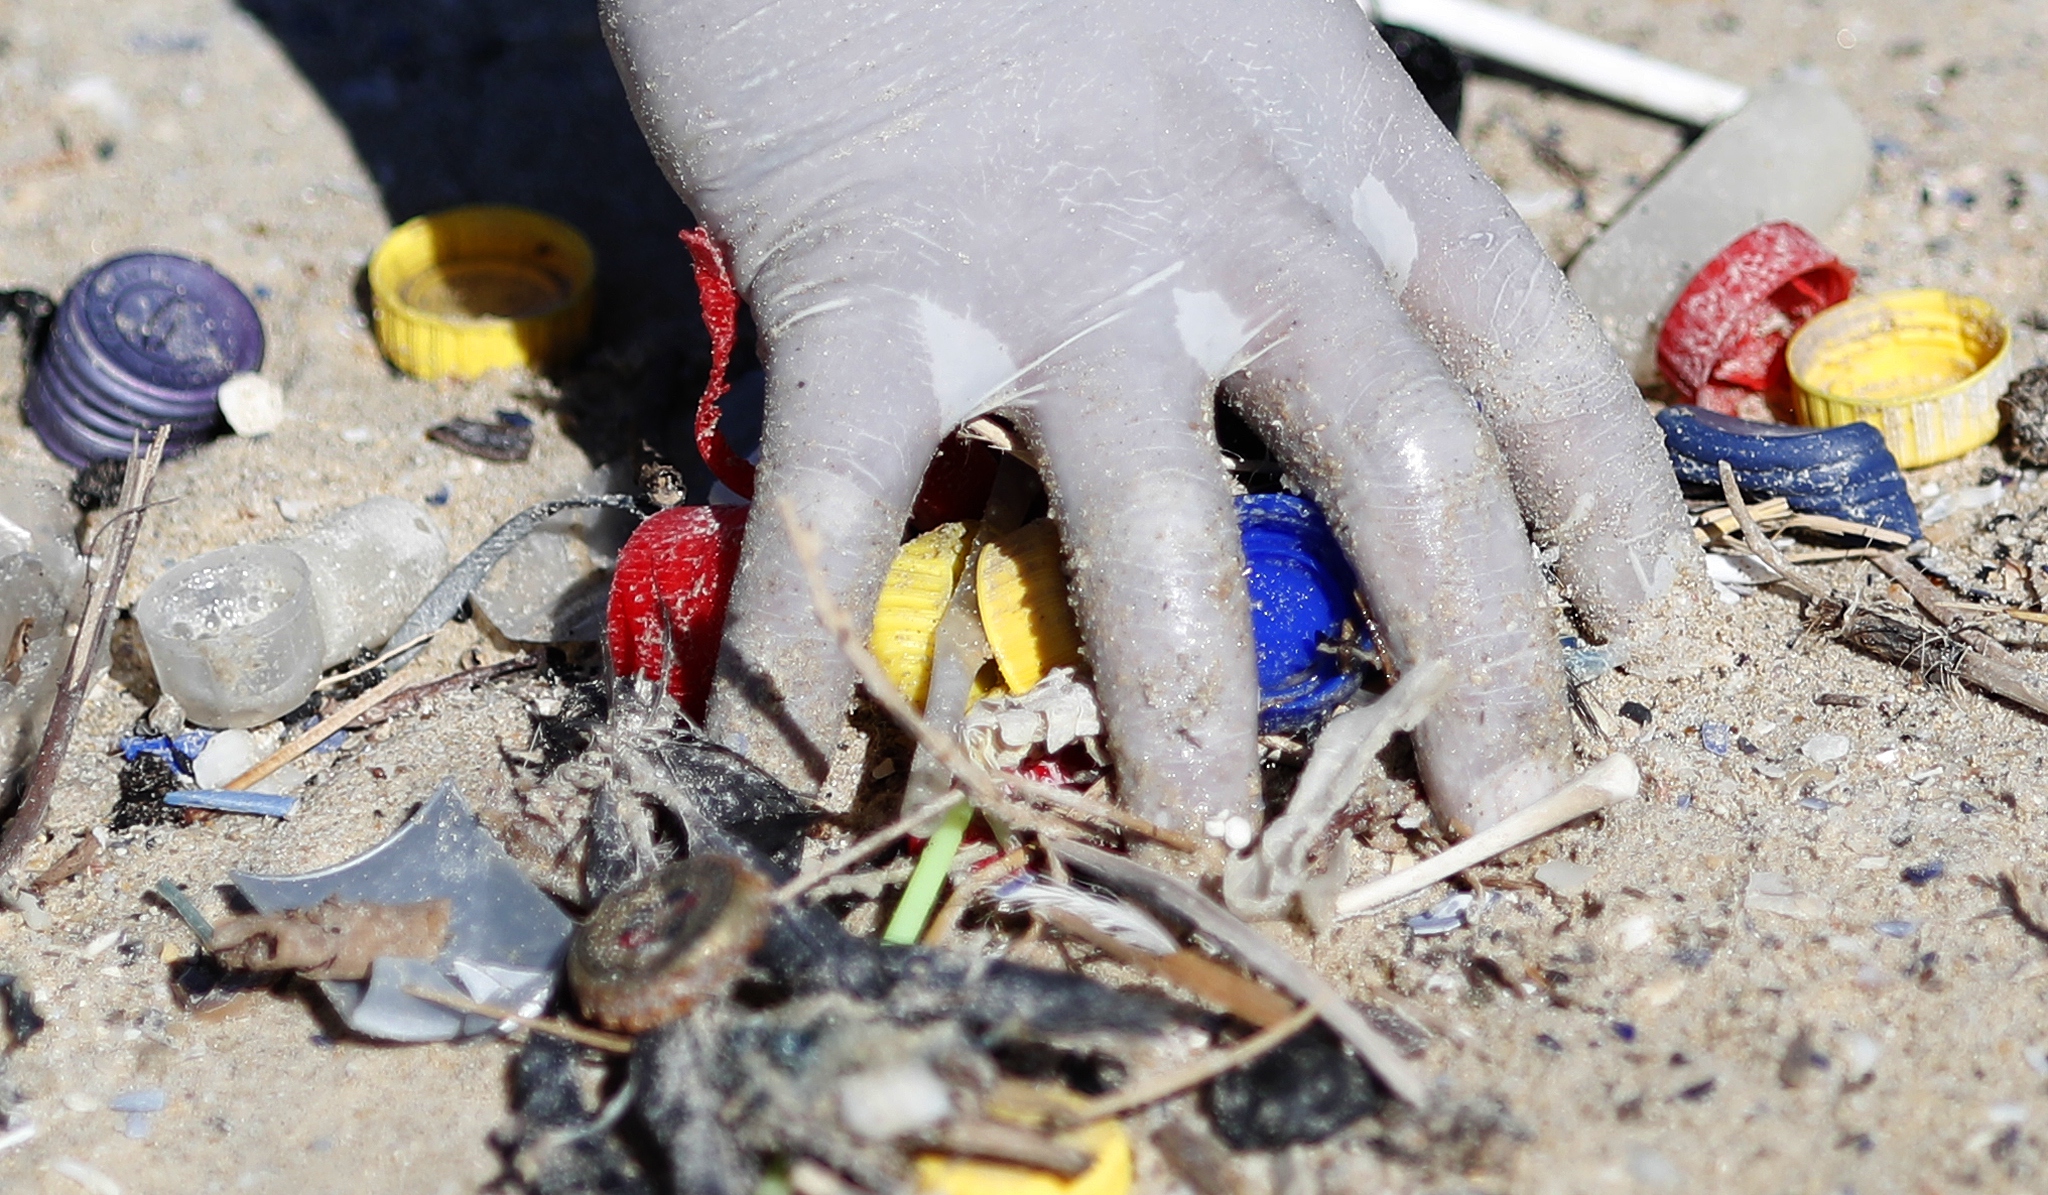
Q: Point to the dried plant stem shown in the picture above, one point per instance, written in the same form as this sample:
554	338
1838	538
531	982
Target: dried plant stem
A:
981	881
1171	1083
1081	806
76	682
325	727
596	1039
1192	970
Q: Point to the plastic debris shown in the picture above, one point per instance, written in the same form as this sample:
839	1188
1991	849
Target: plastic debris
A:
1826	748
1844	472
679	935
140	340
1305	617
221	800
1920	874
1716	737
914	596
1112	1173
234	635
1118	919
1305	1090
1925	367
458	293
1795	151
1023	599
1000	732
252	404
1722	346
1564	877
552	586
40	571
1442	917
370	564
667	606
501	439
455	587
505	939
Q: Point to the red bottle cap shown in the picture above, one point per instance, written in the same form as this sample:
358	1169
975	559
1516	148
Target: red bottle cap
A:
1723	344
669	591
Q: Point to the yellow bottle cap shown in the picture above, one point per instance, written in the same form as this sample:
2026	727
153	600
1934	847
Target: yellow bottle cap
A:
1111	1174
1925	367
472	289
1024	610
914	597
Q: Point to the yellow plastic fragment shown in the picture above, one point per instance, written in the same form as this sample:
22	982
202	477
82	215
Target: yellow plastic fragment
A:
1111	1174
458	293
1925	367
1024	610
914	596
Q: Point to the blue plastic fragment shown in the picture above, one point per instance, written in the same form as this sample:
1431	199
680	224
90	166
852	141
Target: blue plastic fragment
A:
1846	472
1924	873
141	1099
224	800
176	750
1715	737
1303	595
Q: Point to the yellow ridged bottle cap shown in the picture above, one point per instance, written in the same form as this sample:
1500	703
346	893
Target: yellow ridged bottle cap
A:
914	596
1024	610
1925	367
458	293
1112	1173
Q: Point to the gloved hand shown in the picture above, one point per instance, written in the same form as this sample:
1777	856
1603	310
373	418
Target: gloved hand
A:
1087	215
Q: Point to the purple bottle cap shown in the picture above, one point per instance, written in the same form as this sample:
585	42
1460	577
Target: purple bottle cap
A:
141	340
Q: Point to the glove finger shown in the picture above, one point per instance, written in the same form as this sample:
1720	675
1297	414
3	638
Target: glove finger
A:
1362	410
1127	439
846	440
1586	460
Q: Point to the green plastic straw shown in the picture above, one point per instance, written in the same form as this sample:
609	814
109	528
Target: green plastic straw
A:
921	895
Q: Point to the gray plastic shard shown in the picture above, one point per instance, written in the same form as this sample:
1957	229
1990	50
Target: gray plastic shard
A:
1795	152
505	938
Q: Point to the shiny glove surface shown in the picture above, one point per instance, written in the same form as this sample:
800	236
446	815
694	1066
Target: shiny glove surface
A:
1087	216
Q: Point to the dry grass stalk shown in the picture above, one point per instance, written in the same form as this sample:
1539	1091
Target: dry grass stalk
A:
596	1039
73	686
1165	1086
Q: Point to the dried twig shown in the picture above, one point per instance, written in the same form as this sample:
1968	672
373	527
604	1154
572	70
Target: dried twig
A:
1190	969
1256	952
1079	805
27	821
1759	544
596	1039
1152	1089
1987	664
341	678
314	737
1612	779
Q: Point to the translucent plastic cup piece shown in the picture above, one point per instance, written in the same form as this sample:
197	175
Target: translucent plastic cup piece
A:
234	634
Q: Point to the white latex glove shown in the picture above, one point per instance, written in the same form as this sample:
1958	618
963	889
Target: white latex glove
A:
1087	215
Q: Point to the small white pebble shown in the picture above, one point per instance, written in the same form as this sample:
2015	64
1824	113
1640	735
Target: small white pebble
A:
356	435
1861	1051
1873	862
228	755
1826	748
78	1101
2007	1113
294	509
886	1102
2037	1059
1889	757
1636	932
252	404
1564	877
100	945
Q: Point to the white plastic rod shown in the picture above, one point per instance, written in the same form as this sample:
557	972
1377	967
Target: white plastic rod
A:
1573	59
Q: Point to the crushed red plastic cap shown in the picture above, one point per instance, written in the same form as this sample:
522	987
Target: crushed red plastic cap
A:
667	609
1723	345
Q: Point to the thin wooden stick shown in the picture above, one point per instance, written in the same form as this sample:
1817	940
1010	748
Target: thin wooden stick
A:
596	1039
76	682
1987	664
1166	1085
1759	544
344	677
1612	779
1192	970
1087	807
285	754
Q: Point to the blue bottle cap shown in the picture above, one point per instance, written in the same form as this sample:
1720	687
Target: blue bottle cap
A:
1303	594
141	340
